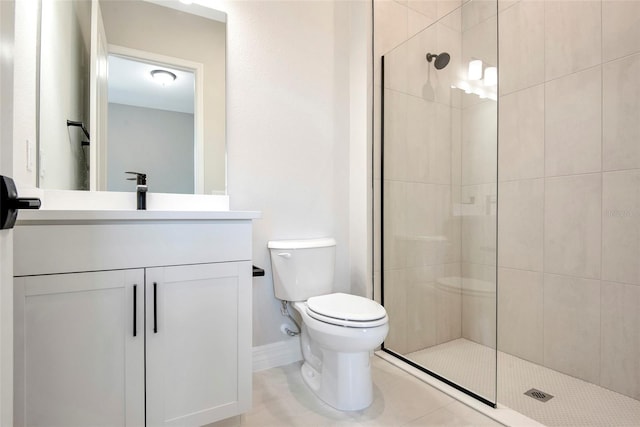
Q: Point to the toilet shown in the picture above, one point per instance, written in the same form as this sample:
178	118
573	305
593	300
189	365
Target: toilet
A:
339	331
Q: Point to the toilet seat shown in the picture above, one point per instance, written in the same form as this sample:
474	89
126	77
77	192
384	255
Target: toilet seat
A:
346	310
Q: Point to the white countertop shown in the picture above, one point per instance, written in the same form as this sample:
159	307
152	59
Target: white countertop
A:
38	217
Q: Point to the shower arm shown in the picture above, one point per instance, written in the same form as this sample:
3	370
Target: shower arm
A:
80	125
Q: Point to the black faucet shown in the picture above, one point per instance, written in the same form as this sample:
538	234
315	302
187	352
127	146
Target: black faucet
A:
141	188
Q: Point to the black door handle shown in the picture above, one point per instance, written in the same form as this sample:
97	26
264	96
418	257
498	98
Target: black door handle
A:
10	203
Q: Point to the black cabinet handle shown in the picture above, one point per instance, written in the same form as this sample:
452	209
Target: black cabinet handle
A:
135	307
155	308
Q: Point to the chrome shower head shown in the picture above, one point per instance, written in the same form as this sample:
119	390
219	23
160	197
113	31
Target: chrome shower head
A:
439	61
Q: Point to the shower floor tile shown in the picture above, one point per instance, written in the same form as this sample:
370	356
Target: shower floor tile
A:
575	402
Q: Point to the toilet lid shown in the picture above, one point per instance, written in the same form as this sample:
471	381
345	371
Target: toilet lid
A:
347	310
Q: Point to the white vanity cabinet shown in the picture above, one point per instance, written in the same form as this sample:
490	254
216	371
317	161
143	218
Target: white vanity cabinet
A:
77	359
194	324
132	322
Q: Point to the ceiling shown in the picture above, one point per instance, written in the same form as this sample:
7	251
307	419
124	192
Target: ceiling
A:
130	83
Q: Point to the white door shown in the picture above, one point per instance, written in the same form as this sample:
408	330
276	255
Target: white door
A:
198	343
6	236
79	347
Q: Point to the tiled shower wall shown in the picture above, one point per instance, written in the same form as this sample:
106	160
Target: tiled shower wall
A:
422	237
569	192
440	145
478	203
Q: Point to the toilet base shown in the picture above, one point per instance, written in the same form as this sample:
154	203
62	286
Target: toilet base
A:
345	381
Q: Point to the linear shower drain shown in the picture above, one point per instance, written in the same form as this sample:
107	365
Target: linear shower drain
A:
539	395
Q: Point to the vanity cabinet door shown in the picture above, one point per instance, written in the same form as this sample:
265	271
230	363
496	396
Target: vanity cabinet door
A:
78	361
198	343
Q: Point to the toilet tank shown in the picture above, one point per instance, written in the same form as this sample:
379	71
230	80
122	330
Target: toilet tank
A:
302	268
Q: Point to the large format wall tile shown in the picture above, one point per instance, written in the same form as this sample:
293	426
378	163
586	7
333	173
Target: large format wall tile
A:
417	22
423	80
572	37
448	287
396	70
620	365
456	147
520	326
444	236
421	125
572	225
572	326
395	224
520	230
390	24
447	6
395	303
620	29
522	134
573	106
449	40
421	308
420	223
439	146
521	46
395	135
478	210
621	226
420	226
477	11
480	42
428	8
428	142
479	143
479	304
621	113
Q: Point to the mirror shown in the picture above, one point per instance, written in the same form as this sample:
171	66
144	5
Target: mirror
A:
90	51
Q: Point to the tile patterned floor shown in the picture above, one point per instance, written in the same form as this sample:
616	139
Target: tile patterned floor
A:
280	398
575	402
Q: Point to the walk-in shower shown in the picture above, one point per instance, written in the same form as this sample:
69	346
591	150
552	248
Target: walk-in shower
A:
509	266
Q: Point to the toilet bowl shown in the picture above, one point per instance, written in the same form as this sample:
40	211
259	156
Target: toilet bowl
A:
339	331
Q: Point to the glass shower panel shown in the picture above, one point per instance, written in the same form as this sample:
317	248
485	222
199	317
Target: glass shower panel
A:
440	198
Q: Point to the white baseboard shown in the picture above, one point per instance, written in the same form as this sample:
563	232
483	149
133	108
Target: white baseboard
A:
276	354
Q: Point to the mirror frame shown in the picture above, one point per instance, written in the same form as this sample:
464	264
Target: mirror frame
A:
199	169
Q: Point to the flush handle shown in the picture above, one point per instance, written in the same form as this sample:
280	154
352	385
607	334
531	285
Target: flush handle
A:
286	255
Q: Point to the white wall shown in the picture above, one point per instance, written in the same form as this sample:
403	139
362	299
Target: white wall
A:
158	143
288	132
64	62
24	107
